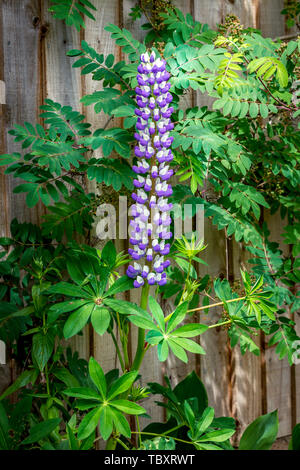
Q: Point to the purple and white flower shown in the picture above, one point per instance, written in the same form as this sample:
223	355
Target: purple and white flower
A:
149	234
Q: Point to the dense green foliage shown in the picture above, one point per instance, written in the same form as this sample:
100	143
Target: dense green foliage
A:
242	166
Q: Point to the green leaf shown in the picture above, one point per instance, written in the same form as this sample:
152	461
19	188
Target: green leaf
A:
128	407
205	420
41	430
177	316
106	422
64	288
157	312
253	110
122	284
97	376
190	330
189	345
295	441
27	377
89	423
217	436
177	350
122	384
42	347
78	319
63	374
109	254
144	323
100	319
82	392
261	433
125	307
163	350
120	423
192	387
63	307
4	430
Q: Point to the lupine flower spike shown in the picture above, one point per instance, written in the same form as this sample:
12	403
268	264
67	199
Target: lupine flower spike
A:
149	235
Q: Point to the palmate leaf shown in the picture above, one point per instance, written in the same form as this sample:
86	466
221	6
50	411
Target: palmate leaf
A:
107	407
87	308
162	331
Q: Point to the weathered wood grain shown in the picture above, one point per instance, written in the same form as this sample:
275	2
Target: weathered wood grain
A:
95	35
21	39
248	371
278	372
61	83
216	367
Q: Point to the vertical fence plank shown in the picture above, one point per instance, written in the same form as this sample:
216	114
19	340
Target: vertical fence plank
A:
271	21
247	392
61	83
21	46
278	372
247	372
214	365
19	70
95	35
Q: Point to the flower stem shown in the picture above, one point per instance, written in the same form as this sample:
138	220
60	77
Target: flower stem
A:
118	350
111	444
216	304
220	324
140	350
121	443
160	435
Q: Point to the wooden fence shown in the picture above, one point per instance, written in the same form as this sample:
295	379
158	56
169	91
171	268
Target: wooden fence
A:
34	66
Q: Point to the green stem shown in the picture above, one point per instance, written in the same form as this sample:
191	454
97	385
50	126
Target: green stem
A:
216	304
111	444
140	350
47	379
118	350
173	429
124	342
185	284
160	435
121	443
139	431
221	324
